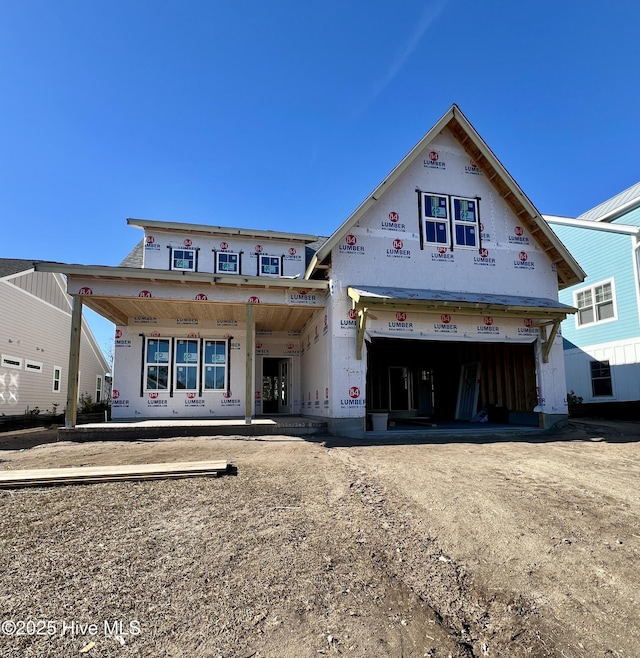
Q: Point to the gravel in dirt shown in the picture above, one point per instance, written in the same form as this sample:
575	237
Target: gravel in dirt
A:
441	549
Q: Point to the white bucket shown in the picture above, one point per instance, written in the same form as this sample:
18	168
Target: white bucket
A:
379	421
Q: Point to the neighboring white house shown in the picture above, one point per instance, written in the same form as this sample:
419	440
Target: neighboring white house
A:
436	298
34	342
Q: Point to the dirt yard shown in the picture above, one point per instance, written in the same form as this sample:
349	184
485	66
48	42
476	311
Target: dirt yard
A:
488	548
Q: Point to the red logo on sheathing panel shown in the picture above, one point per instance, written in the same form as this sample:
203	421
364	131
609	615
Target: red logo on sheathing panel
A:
446	318
351	239
442	250
258	249
224	246
401	316
85	291
118	333
528	322
191	396
253	300
393	216
433	156
292	251
258	346
484	252
155	334
144	293
397	244
153	396
115	394
523	256
227	394
518	230
187	243
290	346
201	297
354	392
488	320
353	314
150	239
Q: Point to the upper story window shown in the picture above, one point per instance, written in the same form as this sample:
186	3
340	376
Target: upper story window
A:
269	266
595	304
183	259
227	262
451	221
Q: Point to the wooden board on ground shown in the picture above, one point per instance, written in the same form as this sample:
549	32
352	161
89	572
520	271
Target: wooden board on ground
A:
88	474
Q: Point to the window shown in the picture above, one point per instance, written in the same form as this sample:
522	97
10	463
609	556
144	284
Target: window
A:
465	222
186	364
227	262
601	379
183	259
98	388
595	304
435	214
215	365
11	361
269	266
157	355
57	376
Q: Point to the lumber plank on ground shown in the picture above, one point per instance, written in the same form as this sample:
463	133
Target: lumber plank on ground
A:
88	474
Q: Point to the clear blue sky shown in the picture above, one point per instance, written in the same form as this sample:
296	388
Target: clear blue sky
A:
285	114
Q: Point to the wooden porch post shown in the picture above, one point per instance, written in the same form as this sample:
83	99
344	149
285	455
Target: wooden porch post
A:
249	367
71	411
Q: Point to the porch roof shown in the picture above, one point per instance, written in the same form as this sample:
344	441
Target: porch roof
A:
465	302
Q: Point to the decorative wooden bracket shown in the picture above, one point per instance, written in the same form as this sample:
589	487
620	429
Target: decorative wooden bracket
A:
361	325
547	343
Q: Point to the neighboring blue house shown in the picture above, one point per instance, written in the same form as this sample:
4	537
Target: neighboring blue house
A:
602	340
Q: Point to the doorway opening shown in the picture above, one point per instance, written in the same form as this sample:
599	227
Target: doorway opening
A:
276	386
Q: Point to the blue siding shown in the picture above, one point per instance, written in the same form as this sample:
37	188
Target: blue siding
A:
632	218
602	256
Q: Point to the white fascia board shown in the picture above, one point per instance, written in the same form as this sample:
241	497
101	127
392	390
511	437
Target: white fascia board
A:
594	225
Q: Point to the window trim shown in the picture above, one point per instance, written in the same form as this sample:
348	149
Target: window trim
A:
9	361
227	253
446	221
461	222
607	364
261	257
193	251
56	380
147	364
592	289
188	364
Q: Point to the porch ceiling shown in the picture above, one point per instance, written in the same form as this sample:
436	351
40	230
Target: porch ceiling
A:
265	316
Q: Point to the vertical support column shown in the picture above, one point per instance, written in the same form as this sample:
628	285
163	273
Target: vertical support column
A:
71	411
249	366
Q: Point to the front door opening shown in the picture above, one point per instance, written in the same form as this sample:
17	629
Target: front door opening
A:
276	386
433	382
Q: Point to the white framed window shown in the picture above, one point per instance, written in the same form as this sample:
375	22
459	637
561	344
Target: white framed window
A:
595	304
98	388
227	262
9	361
435	217
186	364
32	366
183	259
464	216
157	357
215	365
57	377
269	266
601	384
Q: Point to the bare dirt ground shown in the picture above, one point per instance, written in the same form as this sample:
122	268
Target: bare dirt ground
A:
438	549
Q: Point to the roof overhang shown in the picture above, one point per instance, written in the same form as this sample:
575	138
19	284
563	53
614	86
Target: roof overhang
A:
594	225
443	301
568	270
227	231
119	308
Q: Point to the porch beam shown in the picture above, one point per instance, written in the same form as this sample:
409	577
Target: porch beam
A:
360	329
71	411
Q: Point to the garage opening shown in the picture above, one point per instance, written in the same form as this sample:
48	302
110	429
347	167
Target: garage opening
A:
425	382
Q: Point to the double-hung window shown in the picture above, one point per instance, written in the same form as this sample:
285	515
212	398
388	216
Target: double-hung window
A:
601	385
435	214
269	266
465	222
186	364
156	367
595	304
215	365
183	259
227	262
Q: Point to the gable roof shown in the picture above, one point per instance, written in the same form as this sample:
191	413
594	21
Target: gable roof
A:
615	206
10	266
568	270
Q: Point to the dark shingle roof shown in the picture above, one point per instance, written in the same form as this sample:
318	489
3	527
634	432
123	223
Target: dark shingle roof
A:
9	266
